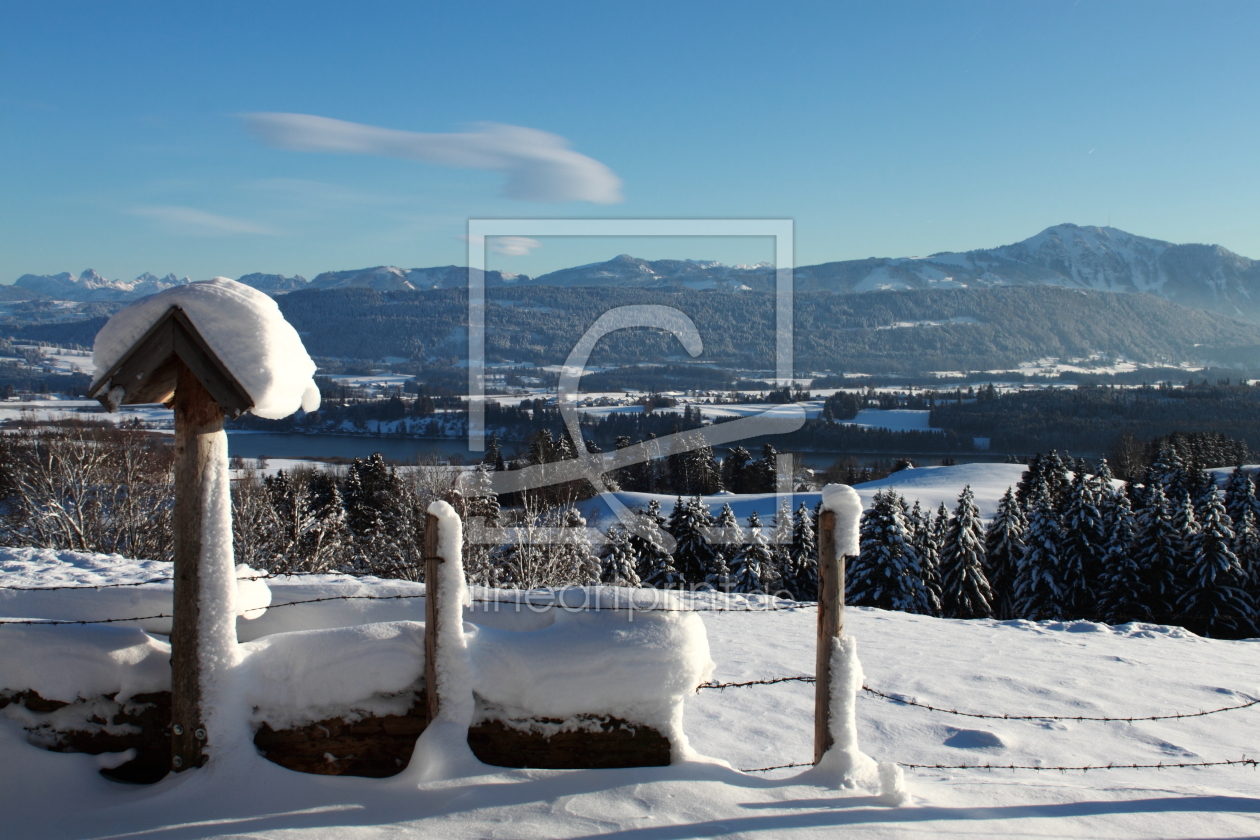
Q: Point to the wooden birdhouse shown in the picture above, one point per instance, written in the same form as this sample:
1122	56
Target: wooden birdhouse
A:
173	364
149	371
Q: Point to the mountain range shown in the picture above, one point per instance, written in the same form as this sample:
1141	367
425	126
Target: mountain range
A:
1072	256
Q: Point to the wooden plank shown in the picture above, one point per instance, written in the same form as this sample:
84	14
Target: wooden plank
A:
432	565
830	627
205	363
141	356
147	376
198	420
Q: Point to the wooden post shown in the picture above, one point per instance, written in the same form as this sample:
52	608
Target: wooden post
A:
830	627
198	420
432	609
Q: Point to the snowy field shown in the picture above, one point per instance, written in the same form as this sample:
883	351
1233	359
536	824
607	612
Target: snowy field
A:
1073	669
930	486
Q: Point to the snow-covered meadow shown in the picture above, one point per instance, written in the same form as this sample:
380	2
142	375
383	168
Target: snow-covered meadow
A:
1072	669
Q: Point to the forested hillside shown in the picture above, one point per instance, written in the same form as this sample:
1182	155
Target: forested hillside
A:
880	332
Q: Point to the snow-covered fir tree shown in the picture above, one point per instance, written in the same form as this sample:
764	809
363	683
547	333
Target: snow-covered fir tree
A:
804	556
619	565
1039	592
693	554
726	537
748	569
327	536
966	592
779	573
1123	596
1240	495
1247	550
578	560
886	573
1214	602
923	538
656	565
1082	548
1157	548
1003	548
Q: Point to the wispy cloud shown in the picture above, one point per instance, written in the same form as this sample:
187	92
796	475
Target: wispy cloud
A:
539	165
513	246
190	220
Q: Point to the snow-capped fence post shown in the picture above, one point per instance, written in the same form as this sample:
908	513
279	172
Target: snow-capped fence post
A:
837	538
432	609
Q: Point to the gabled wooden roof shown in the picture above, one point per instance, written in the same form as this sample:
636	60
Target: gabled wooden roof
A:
147	372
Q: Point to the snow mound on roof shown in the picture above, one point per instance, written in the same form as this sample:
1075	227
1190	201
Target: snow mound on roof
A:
242	325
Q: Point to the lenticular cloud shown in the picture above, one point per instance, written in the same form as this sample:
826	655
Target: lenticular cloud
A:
539	165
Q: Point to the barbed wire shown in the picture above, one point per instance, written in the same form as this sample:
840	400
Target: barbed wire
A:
906	701
1244	761
629	608
771	681
1131	719
53	622
1083	768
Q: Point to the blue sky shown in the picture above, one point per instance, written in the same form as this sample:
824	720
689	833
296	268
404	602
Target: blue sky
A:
889	129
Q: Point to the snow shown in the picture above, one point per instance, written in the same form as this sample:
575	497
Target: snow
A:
845	503
636	666
84	662
929	485
1017	667
245	329
894	419
291	678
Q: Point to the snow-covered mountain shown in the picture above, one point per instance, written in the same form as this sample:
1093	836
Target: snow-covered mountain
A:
92	287
388	278
274	284
1099	258
625	270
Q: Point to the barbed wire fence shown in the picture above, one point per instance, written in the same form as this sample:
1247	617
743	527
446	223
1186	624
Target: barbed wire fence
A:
546	599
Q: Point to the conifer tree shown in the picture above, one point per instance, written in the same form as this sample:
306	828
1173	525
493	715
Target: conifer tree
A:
579	562
1240	494
1157	549
1247	550
656	567
1081	549
693	555
966	589
735	470
778	574
749	567
1123	597
923	538
1039	592
1214	603
619	566
1003	547
804	554
327	535
1185	524
726	537
886	573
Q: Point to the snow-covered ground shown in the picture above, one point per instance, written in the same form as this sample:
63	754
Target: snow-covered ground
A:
1074	669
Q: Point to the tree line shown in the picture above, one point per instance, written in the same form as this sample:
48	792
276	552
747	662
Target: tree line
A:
1169	549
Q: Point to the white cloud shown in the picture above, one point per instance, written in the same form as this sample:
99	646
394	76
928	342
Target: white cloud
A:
200	223
539	165
513	246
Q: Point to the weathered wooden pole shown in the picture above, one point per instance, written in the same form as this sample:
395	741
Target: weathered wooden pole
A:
198	422
830	627
432	611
